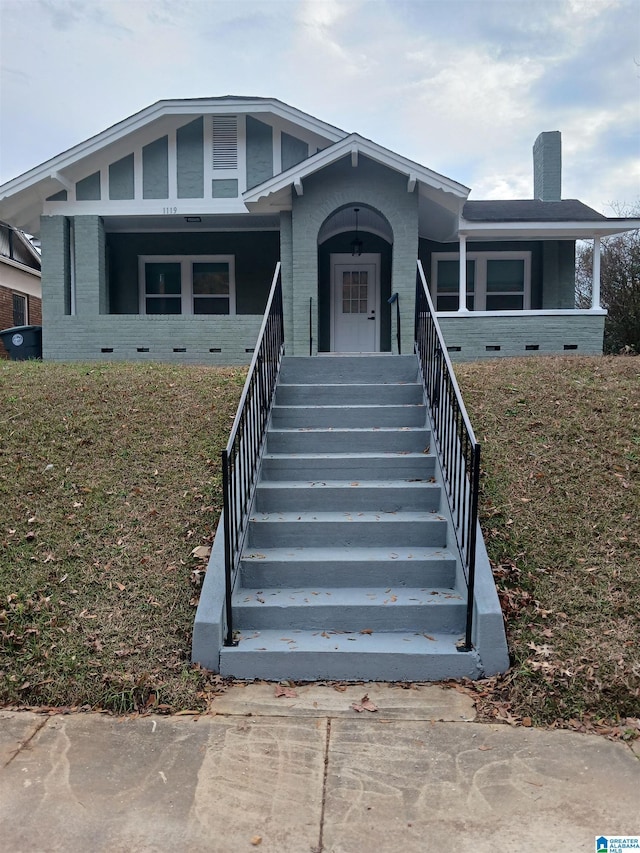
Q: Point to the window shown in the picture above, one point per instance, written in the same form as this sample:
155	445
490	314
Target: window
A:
19	310
496	281
199	284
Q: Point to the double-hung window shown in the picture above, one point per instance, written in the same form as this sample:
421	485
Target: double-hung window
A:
195	284
496	281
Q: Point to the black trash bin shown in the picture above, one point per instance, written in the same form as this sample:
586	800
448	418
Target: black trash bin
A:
22	342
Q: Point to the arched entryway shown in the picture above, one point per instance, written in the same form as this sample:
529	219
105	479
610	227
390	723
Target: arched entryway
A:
354	281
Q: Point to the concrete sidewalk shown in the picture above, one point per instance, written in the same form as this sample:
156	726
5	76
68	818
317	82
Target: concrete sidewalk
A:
310	774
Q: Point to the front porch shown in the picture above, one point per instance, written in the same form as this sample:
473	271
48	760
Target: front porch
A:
489	334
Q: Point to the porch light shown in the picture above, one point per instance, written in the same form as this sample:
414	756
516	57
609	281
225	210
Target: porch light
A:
356	243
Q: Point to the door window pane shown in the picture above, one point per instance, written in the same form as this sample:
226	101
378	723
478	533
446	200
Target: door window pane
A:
355	292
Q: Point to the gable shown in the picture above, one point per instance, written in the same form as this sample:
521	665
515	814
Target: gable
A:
206	151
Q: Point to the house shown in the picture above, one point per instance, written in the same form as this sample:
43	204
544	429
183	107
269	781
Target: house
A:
20	291
161	234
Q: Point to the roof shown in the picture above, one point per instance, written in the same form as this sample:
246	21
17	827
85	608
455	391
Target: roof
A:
16	248
530	210
160	109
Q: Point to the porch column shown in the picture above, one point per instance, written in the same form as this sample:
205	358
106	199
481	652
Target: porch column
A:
462	296
595	286
90	255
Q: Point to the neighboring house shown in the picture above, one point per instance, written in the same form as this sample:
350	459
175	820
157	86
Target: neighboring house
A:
160	237
20	291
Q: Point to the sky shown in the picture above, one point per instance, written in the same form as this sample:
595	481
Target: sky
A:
460	86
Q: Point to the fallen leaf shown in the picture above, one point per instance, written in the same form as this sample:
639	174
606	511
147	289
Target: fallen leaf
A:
120	586
256	840
201	552
287	692
365	704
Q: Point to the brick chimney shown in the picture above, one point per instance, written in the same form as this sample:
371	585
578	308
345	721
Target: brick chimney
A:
547	166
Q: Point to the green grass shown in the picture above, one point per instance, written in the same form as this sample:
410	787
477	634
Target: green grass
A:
109	478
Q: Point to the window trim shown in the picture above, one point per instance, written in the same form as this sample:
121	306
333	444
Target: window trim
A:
480	276
186	281
25	309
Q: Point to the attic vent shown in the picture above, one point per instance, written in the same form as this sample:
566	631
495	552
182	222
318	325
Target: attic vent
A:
225	142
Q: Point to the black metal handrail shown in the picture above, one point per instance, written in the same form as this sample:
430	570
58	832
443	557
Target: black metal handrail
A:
453	435
241	457
394	298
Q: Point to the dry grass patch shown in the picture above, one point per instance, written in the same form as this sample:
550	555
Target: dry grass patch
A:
109	477
560	509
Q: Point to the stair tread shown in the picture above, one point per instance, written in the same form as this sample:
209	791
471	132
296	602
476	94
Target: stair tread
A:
410	483
377	454
309	597
367	385
394	642
352	554
347	517
279	429
342	406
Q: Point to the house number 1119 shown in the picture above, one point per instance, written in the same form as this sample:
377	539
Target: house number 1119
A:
169	209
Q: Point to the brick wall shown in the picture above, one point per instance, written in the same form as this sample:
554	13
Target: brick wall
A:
34	312
219	340
476	336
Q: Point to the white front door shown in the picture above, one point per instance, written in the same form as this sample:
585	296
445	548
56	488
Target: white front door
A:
355	285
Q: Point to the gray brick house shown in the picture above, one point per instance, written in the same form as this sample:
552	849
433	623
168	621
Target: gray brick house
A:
160	237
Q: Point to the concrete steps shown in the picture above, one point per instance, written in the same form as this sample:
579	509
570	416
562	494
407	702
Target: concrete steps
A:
348	570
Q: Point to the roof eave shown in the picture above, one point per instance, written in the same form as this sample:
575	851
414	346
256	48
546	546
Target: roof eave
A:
562	229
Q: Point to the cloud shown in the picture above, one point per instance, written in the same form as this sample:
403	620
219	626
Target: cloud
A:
462	86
